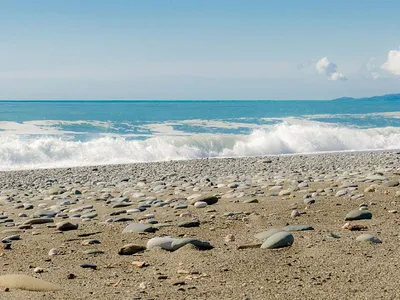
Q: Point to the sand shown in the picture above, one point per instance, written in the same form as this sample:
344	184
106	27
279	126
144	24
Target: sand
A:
316	266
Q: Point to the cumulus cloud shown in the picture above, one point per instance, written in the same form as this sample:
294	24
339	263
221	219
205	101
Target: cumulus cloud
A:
392	63
329	69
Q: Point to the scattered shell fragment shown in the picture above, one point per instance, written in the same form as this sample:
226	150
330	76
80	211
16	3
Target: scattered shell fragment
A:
140	264
354	227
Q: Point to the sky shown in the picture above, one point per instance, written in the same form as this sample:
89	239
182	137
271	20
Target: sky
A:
191	49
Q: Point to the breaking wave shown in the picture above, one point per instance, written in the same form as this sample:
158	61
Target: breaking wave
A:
32	152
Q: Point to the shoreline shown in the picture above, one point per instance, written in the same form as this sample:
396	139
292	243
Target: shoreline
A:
346	152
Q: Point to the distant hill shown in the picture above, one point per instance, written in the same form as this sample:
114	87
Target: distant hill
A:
387	97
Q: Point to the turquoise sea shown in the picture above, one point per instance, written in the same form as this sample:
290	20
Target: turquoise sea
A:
42	134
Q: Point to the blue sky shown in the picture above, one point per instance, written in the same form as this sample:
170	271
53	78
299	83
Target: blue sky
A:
190	49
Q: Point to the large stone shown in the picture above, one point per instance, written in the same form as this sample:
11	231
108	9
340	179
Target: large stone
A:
65	226
358	215
278	240
138	227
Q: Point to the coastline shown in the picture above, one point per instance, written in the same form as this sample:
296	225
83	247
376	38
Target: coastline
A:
255	157
255	194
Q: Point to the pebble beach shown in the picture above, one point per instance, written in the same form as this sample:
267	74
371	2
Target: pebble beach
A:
320	226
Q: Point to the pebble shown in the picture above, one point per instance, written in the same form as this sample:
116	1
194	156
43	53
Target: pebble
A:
53	252
130	249
38	270
200	204
229	238
88	266
295	213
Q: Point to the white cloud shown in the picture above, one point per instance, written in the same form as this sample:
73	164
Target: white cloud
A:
392	63
338	76
324	66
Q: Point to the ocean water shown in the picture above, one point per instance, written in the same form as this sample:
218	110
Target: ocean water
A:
46	134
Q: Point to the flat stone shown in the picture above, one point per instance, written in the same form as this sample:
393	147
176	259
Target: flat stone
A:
121	204
172	244
341	193
44	213
122	219
10	238
89	215
93	252
138	227
88	266
358	215
181	206
90	242
284	193
262	236
38	221
298	228
278	240
376	178
390	183
368	238
251	201
188	224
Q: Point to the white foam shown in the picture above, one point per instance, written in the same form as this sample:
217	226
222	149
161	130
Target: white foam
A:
21	152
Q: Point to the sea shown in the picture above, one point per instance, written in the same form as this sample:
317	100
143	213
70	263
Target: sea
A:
53	134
